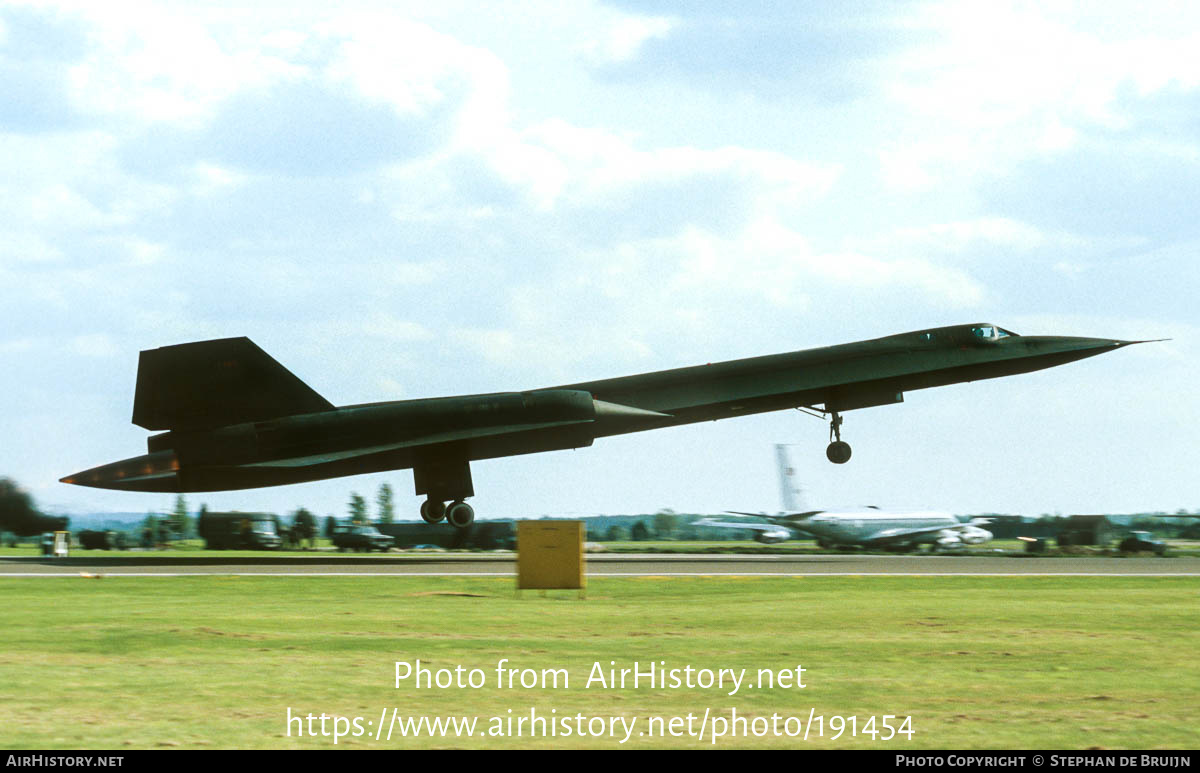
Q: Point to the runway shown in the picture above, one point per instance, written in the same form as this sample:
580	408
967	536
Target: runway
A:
611	565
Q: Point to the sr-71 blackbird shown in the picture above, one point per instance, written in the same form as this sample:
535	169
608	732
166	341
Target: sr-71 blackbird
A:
236	419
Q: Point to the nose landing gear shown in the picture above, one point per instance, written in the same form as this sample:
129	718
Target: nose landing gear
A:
838	451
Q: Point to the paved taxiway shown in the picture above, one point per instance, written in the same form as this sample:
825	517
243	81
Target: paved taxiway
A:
600	565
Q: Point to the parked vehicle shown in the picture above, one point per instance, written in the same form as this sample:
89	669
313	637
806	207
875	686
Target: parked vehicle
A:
239	531
1142	542
360	537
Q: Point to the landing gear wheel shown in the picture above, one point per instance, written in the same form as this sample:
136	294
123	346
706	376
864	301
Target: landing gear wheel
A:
460	515
838	452
432	511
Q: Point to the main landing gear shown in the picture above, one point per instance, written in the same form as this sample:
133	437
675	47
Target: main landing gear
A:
445	480
458	514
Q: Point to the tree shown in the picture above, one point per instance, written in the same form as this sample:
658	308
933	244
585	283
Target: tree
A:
387	507
178	522
616	533
15	503
639	532
304	526
358	508
19	515
154	531
665	521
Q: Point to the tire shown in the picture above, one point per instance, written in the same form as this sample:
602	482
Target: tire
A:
460	515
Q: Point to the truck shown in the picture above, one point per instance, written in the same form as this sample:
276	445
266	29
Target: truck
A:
357	536
1143	542
239	531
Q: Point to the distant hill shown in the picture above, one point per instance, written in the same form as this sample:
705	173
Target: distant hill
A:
106	521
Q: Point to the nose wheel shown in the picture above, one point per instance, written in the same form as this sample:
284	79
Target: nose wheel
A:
838	451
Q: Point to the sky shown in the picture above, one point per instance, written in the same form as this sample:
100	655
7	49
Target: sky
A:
404	200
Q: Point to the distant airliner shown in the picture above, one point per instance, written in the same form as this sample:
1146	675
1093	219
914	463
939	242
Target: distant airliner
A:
236	418
867	527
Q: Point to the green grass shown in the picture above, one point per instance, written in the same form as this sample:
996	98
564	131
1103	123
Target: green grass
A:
977	662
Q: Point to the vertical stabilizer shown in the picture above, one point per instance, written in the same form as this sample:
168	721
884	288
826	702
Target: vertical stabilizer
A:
790	495
207	384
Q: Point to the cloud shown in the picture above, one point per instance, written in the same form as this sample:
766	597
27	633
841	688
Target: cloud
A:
599	178
970	236
775	50
780	266
625	37
38	51
348	100
311	129
1002	85
1112	188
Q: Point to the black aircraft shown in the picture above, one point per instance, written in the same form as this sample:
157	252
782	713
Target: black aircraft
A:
236	419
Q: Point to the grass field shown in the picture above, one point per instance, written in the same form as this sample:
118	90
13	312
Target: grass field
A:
976	662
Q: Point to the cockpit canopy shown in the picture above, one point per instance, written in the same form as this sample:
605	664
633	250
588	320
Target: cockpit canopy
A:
981	333
990	332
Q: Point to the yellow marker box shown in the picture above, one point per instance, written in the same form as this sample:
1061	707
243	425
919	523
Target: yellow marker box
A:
550	555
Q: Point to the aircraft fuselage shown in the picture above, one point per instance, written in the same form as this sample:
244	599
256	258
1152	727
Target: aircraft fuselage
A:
237	419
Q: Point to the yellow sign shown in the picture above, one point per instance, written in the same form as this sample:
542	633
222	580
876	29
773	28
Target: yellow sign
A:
550	554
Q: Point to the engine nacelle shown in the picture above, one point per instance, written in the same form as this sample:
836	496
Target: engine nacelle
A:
973	535
967	535
949	539
771	536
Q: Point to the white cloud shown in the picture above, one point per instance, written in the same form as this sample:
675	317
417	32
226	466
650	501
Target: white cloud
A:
149	64
28	246
387	326
1070	269
621	40
94	345
17	345
1005	82
209	179
497	346
779	266
412	67
963	235
556	161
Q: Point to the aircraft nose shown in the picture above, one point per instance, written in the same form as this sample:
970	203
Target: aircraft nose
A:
1047	351
1144	341
1107	343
